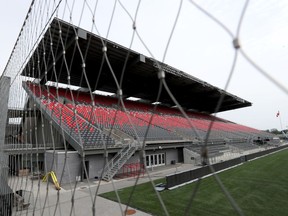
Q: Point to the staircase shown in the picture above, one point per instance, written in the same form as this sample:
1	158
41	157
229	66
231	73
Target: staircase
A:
115	164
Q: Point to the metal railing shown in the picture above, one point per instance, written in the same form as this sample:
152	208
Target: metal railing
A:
118	161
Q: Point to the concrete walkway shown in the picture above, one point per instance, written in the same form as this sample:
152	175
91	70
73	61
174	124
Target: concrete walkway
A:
48	201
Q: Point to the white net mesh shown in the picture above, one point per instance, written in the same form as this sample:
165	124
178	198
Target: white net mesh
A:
96	103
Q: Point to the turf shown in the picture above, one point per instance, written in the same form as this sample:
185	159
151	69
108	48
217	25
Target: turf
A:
259	187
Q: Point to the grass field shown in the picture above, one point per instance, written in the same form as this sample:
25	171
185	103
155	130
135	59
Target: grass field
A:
259	187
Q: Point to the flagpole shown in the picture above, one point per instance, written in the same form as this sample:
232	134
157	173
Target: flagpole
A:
281	127
278	115
280	120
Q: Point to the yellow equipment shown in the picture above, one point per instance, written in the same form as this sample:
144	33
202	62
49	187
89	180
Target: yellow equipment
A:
54	179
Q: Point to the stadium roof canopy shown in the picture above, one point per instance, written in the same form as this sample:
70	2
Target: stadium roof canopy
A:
140	78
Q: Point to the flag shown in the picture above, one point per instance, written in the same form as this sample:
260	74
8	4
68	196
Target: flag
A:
278	113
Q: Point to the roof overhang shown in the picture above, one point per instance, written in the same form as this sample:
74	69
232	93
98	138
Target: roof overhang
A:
60	56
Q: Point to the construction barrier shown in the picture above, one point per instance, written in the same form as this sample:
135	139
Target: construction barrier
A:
54	179
133	169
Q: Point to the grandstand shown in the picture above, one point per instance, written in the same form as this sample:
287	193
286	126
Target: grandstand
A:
63	111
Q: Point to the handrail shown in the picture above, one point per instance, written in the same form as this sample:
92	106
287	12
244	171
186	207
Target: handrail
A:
115	159
76	114
17	146
49	113
25	146
124	153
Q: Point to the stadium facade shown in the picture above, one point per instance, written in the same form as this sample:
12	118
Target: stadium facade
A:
68	128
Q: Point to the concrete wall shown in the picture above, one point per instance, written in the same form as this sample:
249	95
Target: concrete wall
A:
4	97
191	157
48	134
72	169
45	133
74	163
171	155
96	163
29	130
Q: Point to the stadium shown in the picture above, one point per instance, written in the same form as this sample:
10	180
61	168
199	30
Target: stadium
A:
93	110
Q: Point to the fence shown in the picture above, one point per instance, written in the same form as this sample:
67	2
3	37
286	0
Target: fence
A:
188	176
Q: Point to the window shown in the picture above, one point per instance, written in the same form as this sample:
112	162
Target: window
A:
154	160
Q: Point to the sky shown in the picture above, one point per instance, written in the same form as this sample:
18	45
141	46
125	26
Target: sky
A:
198	46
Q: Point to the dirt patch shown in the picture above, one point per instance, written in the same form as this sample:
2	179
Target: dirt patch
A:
129	212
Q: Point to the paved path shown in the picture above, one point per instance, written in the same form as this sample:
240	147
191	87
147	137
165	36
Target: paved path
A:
49	201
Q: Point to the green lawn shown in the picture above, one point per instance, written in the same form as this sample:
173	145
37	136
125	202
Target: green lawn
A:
259	187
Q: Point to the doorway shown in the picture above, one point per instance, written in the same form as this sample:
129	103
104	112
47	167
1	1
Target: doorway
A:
86	175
